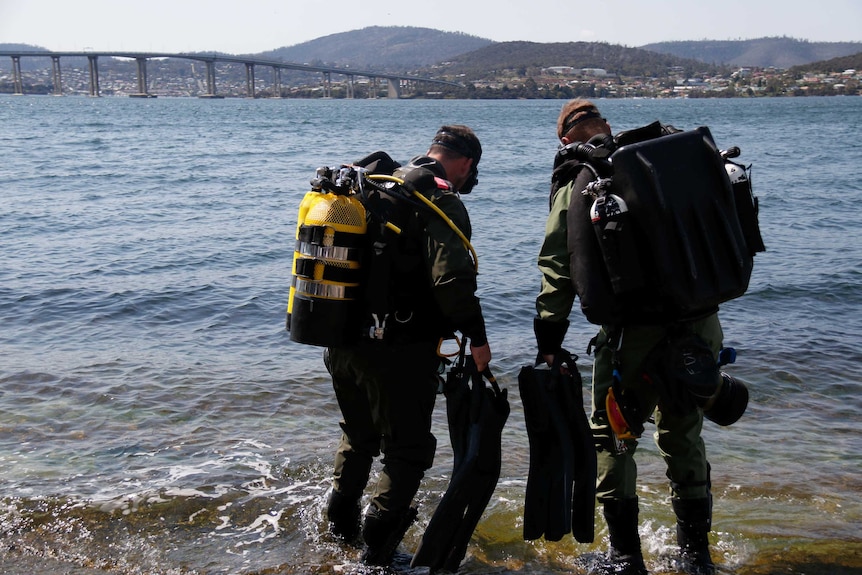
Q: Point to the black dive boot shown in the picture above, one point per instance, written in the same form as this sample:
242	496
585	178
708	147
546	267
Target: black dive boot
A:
383	532
693	522
350	475
343	513
625	553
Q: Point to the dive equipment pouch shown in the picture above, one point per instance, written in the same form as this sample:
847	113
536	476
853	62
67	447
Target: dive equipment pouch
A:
686	375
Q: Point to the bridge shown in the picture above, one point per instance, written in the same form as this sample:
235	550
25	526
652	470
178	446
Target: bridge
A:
395	81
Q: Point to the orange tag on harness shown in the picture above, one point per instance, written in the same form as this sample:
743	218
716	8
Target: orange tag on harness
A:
441	183
621	428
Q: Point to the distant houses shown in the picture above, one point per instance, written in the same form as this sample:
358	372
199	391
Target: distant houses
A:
570	71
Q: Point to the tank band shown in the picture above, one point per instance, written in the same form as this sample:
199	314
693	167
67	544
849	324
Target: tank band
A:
323	235
321	270
324	290
334	253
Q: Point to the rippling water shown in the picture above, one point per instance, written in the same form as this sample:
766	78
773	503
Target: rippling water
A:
155	418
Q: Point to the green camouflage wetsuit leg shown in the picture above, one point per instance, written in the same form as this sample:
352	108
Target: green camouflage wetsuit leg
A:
386	393
677	436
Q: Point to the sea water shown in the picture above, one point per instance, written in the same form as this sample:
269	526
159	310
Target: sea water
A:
155	418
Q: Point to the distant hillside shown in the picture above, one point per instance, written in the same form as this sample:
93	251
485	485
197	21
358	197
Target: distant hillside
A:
527	57
26	63
852	62
780	52
388	48
465	58
22	47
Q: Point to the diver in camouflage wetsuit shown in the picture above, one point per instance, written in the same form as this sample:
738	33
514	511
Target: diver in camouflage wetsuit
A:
678	435
421	287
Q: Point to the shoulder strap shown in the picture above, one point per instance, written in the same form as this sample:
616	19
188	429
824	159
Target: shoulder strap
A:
565	173
575	156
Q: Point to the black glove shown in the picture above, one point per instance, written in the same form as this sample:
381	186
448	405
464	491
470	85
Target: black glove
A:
550	335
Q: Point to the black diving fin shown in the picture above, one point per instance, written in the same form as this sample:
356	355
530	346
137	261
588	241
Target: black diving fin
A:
476	415
561	483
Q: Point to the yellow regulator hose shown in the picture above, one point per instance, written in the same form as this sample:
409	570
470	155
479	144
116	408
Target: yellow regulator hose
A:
438	211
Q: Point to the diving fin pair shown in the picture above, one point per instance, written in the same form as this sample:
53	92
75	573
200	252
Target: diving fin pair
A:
561	483
476	415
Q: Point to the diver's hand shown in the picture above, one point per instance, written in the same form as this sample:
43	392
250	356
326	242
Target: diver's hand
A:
481	356
549	359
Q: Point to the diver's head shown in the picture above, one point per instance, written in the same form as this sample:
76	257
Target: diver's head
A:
580	120
459	150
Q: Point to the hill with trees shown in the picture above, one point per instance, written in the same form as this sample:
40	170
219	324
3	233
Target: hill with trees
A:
405	48
852	62
384	48
529	58
520	69
779	52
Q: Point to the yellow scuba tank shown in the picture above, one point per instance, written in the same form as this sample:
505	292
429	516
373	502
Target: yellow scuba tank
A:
327	302
323	305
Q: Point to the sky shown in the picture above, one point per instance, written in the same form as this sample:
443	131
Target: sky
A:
252	26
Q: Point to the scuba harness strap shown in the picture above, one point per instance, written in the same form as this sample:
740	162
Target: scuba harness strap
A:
429	203
380	269
382	202
376	295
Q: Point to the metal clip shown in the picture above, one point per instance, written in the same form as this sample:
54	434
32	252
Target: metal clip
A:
377	330
597	188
